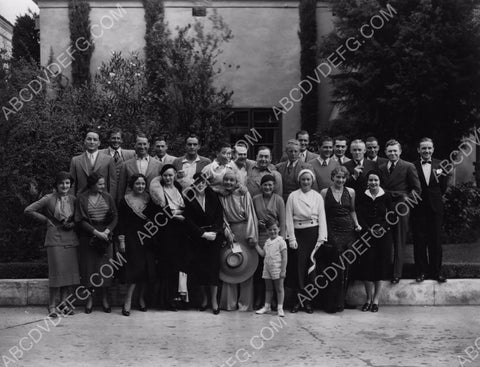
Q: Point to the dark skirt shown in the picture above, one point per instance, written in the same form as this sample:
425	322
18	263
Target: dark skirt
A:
62	266
140	265
95	270
375	264
205	268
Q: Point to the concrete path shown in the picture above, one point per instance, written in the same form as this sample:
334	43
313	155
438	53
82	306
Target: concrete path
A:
395	336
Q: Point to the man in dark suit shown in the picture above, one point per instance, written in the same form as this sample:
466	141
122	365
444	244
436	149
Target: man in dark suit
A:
141	163
161	147
324	164
304	155
400	180
427	216
340	144
83	165
358	167
190	163
290	169
372	151
115	150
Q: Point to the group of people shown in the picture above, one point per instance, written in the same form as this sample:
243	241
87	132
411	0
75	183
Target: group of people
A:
246	227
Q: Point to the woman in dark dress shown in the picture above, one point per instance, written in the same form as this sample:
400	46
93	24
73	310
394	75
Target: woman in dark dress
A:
171	247
140	265
375	264
204	214
342	223
96	216
56	211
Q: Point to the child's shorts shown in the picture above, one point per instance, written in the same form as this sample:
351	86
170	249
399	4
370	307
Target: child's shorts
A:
271	271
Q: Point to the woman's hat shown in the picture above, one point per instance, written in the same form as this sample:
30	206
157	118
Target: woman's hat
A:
239	266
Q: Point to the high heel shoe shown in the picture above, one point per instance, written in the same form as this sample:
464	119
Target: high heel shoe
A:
202	308
216	311
88	310
142	308
374	308
366	307
52	312
107	309
125	312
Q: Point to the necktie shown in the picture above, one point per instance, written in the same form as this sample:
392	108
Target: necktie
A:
426	162
289	168
116	156
392	167
324	164
358	163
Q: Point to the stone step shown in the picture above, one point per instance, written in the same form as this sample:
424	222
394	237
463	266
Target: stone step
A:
23	292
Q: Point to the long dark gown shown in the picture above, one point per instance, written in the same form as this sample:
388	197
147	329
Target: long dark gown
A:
140	266
341	234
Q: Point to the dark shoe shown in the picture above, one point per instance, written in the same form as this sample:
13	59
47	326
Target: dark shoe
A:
143	308
395	280
88	310
374	308
67	311
202	308
125	312
295	308
441	279
366	307
308	308
107	309
349	306
216	311
420	278
172	307
52	312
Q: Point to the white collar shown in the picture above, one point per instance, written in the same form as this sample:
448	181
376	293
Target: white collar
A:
381	192
185	160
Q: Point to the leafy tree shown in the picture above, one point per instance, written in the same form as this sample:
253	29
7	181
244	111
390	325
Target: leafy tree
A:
26	39
419	75
308	62
79	22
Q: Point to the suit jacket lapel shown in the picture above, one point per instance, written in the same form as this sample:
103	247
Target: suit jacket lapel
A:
149	167
84	163
421	175
98	161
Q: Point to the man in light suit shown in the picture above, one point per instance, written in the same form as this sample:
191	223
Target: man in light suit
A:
304	155
427	216
324	164
340	144
400	180
358	167
372	151
141	163
190	163
161	154
83	165
290	169
115	150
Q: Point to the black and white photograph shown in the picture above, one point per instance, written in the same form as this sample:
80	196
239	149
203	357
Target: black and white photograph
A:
240	183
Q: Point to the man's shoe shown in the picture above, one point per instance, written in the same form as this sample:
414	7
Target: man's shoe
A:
420	278
395	280
308	308
441	279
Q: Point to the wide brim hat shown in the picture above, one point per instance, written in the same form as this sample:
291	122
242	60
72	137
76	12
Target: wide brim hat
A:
237	267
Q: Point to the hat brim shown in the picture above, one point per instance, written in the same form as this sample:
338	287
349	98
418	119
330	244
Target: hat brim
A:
237	267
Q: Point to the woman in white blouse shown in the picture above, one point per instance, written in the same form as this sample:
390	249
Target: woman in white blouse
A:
306	228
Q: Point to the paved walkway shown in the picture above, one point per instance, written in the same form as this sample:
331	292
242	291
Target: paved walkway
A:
396	336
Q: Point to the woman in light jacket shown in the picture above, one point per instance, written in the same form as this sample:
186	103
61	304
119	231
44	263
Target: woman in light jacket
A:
56	211
306	229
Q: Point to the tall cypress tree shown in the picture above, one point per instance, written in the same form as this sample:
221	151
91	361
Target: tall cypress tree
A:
26	39
79	17
308	62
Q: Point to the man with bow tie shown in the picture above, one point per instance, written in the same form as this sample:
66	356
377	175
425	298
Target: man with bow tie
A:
427	216
400	180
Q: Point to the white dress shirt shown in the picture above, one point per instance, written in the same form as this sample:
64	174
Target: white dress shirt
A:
427	171
142	164
92	157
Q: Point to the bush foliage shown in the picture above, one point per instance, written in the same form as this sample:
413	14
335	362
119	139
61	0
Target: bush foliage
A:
41	138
